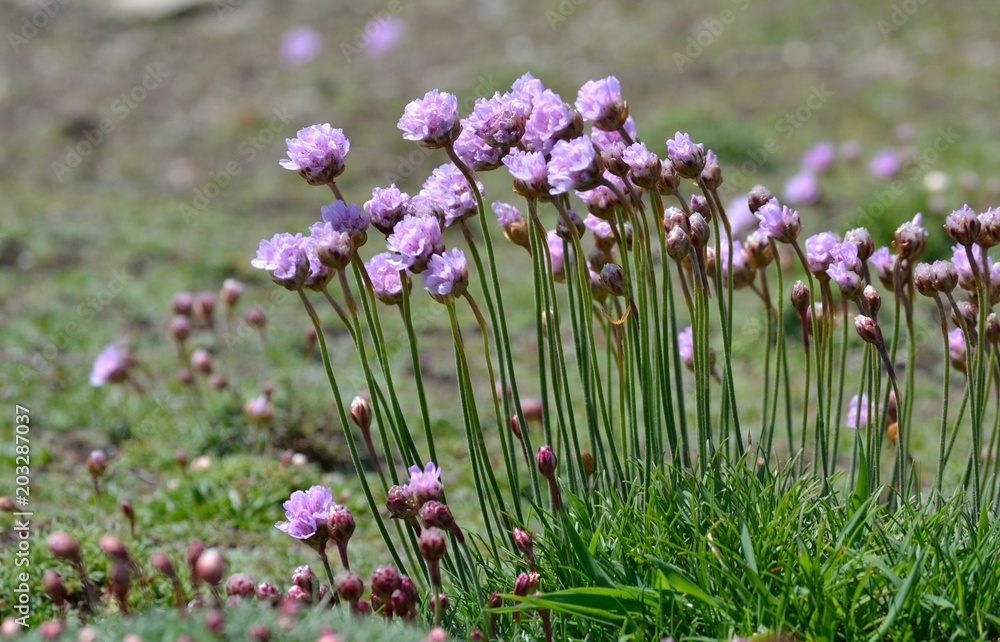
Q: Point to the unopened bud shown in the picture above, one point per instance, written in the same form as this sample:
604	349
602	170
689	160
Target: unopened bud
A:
613	279
863	240
211	566
180	328
546	461
923	279
361	412
588	464
231	292
432	544
201	361
678	243
873	299
350	586
524	543
669	180
401	503
800	297
162	563
385	580
240	584
711	175
867	328
255	317
757	197
204	305
113	547
341	524
54	587
963	226
97	463
183	303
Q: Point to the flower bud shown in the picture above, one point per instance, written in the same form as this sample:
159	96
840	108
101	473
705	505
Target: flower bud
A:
231	292
296	595
758	250
385	580
923	279
669	180
267	592
120	579
992	328
204	305
7	505
54	588
65	547
700	205
210	567
193	552
350	586
968	315
562	227
97	464
963	226
800	297
436	514
218	381
183	304
201	361
526	583
361	412
113	547
910	239
432	544
401	503
588	464
613	279
945	276
255	317
162	563
180	328
711	175
757	197
524	543
863	240
867	328
678	243
341	524
700	230
873	299
240	584
546	461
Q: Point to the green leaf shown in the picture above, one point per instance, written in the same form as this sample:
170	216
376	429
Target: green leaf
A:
900	601
681	583
748	553
593	570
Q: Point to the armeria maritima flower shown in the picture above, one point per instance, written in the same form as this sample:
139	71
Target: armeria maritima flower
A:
432	121
317	154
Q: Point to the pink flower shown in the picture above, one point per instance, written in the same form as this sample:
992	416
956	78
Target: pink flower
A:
317	154
432	120
111	366
306	512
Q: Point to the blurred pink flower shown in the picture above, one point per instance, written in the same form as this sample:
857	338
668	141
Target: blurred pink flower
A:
300	45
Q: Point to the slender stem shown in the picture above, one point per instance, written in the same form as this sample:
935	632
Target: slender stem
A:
351	445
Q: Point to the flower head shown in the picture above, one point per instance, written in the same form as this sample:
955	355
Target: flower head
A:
687	157
884	262
111	366
643	165
963	225
384	274
573	165
449	191
388	206
685	346
333	249
415	239
530	173
499	120
600	228
857	413
317	154
819	158
600	102
555	243
347	219
306	513
803	188
425	485
286	258
300	45
432	120
778	222
818	251
956	348
527	88
885	164
447	275
910	239
476	153
507	214
551	119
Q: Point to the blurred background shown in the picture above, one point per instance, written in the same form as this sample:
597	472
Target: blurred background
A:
140	140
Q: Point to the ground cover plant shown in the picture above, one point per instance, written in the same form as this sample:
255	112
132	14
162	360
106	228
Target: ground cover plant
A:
606	502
